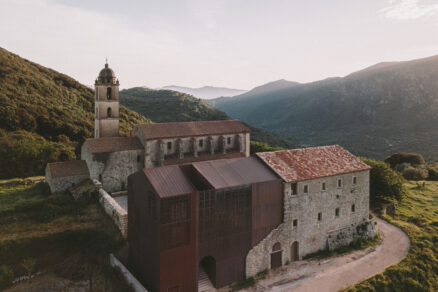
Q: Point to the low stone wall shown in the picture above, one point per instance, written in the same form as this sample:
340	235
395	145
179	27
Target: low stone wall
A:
345	236
135	284
117	213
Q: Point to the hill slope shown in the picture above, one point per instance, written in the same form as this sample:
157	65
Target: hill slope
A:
172	106
44	116
206	92
386	108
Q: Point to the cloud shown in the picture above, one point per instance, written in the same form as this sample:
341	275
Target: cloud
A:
409	9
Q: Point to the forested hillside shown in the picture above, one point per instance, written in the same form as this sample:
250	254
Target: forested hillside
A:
44	116
172	106
390	107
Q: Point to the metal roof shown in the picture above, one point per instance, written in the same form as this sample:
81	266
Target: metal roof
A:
68	168
227	173
192	129
309	163
113	144
169	181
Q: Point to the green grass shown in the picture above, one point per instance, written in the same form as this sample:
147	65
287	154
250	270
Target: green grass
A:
63	236
417	215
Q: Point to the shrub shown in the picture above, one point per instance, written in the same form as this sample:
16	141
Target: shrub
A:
262	147
399	158
432	171
408	171
385	183
6	276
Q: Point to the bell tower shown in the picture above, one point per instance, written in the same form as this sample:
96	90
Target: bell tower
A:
106	104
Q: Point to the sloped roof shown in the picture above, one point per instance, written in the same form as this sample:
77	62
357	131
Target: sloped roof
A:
192	129
169	181
225	173
113	144
68	168
309	163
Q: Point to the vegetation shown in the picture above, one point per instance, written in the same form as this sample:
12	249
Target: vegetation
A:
385	184
262	147
417	215
412	166
172	106
53	234
374	112
44	116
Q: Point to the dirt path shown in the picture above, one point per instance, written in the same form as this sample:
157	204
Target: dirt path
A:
343	271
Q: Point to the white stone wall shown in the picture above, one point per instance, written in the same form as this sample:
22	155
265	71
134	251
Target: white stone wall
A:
118	215
62	184
114	168
311	234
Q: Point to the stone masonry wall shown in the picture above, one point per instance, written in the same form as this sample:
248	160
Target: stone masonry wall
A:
62	184
117	214
312	234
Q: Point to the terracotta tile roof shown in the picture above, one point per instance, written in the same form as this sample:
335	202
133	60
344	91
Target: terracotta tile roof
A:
169	181
68	168
309	163
113	144
227	173
191	129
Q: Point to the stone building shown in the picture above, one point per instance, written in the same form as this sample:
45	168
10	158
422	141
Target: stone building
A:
234	218
61	176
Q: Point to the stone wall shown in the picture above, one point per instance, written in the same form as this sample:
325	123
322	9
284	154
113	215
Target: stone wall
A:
311	233
61	184
112	169
117	214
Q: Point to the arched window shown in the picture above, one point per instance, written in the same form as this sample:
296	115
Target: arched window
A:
108	93
109	112
276	260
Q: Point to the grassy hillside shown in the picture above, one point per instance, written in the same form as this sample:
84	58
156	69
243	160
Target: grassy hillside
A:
417	215
67	241
172	106
387	108
44	116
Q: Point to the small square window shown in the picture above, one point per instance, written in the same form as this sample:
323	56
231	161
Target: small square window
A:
354	180
323	186
306	189
293	187
229	140
169	145
295	222
319	216
353	208
339	183
337	212
201	143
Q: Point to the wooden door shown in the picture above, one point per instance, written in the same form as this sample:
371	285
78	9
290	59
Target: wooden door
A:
276	256
294	252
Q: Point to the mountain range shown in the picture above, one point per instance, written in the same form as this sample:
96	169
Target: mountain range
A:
386	108
206	92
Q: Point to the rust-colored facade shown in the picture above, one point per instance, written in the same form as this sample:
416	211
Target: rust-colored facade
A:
205	214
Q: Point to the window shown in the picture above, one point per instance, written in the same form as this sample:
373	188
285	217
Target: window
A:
353	208
138	158
293	187
337	212
108	93
169	145
339	183
123	186
295	222
228	140
100	177
108	112
319	216
354	180
201	143
323	186
306	189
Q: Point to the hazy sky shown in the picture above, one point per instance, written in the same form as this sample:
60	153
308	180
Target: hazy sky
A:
235	43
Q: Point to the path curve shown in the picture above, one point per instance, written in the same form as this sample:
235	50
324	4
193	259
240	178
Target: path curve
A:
343	271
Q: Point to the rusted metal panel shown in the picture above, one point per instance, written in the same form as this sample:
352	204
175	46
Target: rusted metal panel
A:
226	173
192	129
169	181
113	144
309	163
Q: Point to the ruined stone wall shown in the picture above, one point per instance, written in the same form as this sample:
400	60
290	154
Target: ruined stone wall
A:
312	234
113	169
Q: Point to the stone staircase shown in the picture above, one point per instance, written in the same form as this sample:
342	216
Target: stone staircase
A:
204	283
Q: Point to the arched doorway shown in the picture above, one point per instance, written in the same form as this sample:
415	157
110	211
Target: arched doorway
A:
294	252
109	112
207	272
276	256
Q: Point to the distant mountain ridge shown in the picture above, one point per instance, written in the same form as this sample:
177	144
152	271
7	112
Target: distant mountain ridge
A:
206	92
382	109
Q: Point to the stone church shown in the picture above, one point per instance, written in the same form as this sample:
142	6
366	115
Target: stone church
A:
195	206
